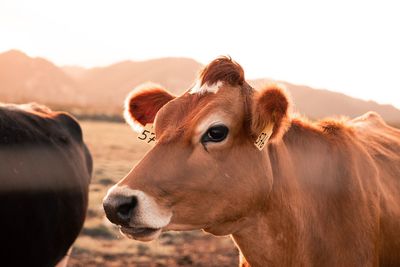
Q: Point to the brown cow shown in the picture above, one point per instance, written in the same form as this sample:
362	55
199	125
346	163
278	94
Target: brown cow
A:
318	194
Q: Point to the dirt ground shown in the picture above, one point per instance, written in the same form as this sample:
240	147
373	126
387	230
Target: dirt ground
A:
115	151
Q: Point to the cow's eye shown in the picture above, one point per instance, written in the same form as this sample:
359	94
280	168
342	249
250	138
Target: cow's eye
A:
216	133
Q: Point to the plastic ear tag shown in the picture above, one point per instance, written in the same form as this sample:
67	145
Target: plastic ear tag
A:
148	135
264	136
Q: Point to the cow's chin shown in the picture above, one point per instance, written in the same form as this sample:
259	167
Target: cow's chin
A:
141	233
183	227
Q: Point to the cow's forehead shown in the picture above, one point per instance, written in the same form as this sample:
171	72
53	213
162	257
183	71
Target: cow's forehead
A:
198	88
179	118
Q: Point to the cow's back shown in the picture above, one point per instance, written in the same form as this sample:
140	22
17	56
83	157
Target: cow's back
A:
45	171
382	143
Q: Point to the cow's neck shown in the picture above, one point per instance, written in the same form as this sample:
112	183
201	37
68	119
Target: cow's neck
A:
272	235
276	235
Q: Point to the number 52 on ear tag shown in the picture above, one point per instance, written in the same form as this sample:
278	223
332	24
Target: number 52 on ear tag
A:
148	135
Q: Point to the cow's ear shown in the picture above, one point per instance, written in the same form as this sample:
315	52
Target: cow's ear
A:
270	112
143	103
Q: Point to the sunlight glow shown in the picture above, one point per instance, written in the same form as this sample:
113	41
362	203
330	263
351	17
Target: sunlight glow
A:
346	46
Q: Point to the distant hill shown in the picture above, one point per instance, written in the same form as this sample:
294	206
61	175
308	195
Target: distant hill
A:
25	79
317	103
103	89
110	85
75	72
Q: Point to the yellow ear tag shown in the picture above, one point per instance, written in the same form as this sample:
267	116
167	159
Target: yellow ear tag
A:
264	136
148	135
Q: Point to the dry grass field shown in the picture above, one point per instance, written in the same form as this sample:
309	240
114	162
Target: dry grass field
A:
115	151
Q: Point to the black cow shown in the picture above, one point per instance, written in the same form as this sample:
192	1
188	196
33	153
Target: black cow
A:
45	171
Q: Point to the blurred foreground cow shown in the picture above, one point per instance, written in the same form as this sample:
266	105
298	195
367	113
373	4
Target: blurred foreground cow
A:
45	170
317	194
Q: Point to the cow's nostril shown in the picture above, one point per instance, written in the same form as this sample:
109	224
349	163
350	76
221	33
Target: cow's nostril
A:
124	211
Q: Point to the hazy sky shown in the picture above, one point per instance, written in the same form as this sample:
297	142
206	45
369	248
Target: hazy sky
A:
347	46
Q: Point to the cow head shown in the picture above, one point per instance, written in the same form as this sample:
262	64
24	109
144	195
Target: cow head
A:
204	171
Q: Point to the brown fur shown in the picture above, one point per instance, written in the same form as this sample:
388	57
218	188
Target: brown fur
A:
222	69
145	101
272	107
320	194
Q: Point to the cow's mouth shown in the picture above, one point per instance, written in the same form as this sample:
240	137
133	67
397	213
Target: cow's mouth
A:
141	233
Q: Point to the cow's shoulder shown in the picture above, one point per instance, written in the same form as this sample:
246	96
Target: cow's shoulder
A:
32	123
370	119
70	123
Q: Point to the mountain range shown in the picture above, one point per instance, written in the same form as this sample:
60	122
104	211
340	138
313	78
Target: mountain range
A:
103	89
